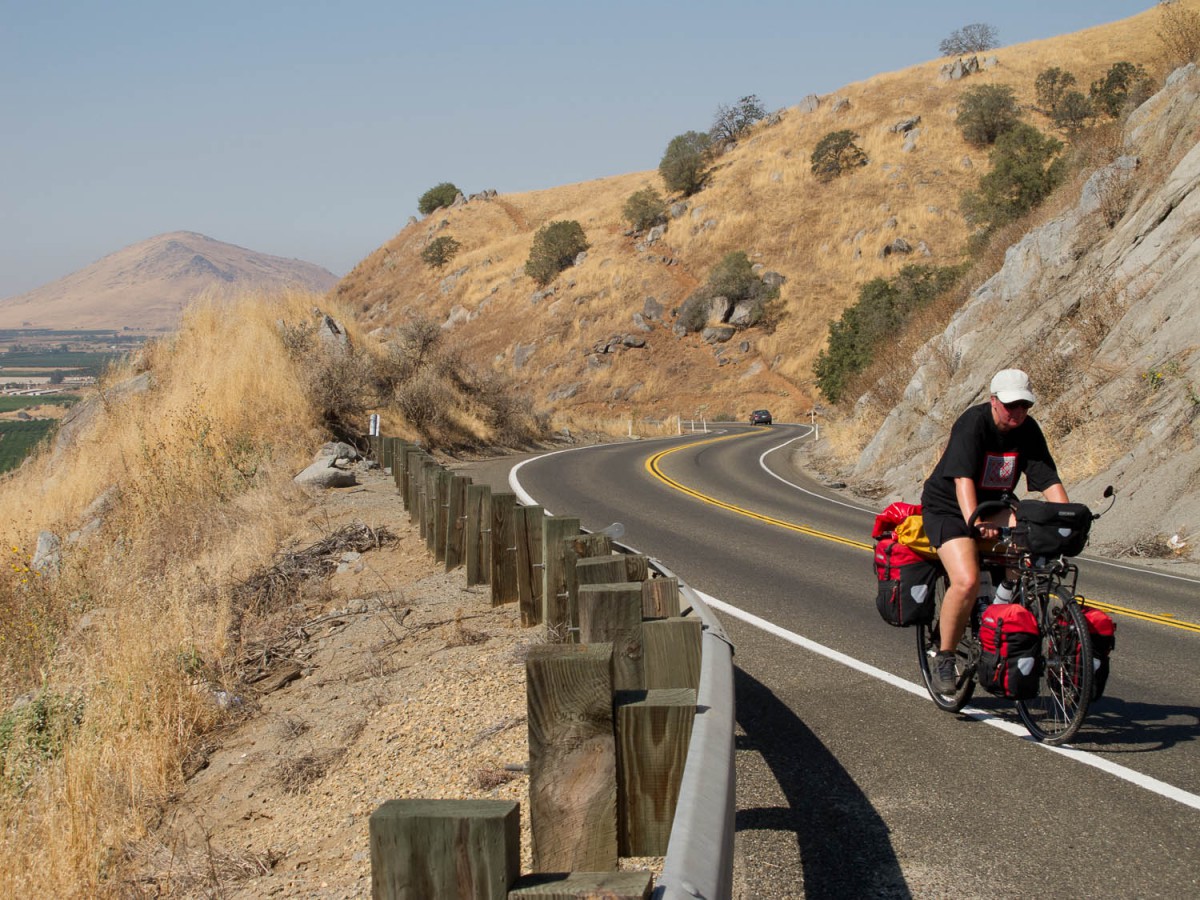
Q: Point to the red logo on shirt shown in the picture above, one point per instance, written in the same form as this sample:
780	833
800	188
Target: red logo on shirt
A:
999	472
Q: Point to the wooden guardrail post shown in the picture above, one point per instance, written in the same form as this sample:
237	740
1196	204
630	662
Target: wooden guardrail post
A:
559	556
600	570
528	526
653	731
612	613
572	758
421	485
637	566
660	597
441	514
672	649
456	522
409	488
479	534
386	451
504	550
594	544
400	464
445	848
431	504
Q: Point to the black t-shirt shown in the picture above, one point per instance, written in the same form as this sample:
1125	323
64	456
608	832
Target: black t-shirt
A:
994	460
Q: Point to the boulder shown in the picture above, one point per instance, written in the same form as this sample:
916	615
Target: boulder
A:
325	473
718	334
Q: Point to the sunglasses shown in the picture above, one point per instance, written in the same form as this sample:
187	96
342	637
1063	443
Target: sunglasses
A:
1016	404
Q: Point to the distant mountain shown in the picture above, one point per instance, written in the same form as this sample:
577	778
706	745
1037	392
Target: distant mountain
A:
145	286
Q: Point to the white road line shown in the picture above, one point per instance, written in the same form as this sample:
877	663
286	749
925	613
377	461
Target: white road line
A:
1084	757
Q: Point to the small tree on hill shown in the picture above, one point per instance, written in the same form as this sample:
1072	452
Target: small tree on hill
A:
1123	84
1072	111
1050	85
731	121
974	38
734	279
439	196
986	111
836	153
644	209
555	247
440	251
1026	167
685	163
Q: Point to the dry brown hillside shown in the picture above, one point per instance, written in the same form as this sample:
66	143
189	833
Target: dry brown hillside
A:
762	199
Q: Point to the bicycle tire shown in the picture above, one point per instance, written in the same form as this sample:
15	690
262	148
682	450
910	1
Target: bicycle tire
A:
928	643
1055	715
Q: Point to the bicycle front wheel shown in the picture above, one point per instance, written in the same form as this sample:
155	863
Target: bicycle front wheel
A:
1065	688
928	642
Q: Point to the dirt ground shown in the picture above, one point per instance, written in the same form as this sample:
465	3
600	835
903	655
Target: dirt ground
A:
407	684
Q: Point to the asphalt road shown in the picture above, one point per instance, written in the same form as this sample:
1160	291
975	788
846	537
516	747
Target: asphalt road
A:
849	781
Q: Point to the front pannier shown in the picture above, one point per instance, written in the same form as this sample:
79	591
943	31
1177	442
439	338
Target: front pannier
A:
906	584
1055	529
1010	662
1103	632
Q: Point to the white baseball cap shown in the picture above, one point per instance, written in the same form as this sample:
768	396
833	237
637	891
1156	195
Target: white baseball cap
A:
1011	385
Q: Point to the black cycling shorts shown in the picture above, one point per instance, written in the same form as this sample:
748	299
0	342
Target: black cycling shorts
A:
940	529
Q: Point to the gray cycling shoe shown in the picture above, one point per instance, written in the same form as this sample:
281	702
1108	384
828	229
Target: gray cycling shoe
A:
943	673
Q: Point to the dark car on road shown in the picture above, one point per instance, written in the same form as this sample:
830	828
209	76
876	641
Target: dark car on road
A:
760	417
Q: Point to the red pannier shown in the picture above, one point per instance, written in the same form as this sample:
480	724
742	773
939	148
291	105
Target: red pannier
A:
1010	662
1103	632
886	521
906	584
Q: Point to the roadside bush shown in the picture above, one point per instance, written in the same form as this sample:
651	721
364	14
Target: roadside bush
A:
439	196
731	121
1050	86
865	328
440	251
1026	167
644	209
986	111
1123	85
974	38
1072	111
555	247
836	153
684	165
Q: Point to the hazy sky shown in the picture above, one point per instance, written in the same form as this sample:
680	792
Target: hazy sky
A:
309	129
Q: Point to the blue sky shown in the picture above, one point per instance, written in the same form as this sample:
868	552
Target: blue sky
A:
309	129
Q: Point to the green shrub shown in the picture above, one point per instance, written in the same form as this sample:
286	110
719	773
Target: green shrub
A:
986	111
1050	86
1072	111
440	251
882	308
555	247
644	209
733	278
730	122
36	733
836	153
684	165
974	38
1124	84
439	196
1026	167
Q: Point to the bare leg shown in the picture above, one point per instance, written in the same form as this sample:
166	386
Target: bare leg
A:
961	562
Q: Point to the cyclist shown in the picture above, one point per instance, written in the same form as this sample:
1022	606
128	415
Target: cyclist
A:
990	446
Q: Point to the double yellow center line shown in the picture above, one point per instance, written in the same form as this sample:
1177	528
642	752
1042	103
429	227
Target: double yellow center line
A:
654	467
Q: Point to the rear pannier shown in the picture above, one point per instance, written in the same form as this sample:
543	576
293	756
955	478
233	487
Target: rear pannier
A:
906	584
1010	662
1055	529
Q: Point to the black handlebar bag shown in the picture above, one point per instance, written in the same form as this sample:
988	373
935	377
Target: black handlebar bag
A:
1055	529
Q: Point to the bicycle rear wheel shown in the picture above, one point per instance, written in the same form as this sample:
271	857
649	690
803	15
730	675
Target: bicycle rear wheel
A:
1065	688
928	643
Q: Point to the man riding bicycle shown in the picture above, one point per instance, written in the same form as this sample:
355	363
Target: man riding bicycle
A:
990	446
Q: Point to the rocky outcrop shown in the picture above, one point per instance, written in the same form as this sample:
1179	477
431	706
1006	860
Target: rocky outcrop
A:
1099	305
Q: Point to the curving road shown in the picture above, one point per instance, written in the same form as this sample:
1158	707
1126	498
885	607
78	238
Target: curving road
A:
850	782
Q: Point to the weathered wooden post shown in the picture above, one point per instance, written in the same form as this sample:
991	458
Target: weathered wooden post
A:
672	648
504	550
573	885
600	570
528	537
445	848
413	459
442	514
421	484
595	544
400	464
387	450
431	504
572	758
456	522
637	566
612	613
660	597
479	534
559	556
653	731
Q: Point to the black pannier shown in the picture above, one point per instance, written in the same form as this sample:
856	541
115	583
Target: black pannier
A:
1055	529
